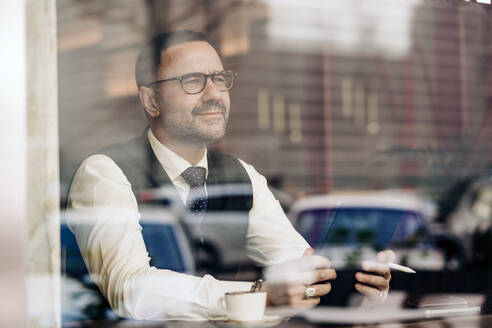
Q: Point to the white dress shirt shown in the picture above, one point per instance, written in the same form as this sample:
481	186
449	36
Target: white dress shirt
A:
113	248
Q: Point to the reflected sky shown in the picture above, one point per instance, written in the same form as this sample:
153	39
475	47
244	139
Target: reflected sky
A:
372	26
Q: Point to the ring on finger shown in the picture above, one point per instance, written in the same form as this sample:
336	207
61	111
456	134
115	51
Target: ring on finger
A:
310	292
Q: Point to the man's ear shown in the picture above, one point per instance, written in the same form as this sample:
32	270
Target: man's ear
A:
148	101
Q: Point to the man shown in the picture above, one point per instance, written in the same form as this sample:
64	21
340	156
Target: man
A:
184	92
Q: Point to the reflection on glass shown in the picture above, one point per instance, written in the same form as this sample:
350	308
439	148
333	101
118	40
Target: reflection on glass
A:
330	96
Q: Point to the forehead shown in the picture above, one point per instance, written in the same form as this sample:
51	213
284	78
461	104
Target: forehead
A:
194	56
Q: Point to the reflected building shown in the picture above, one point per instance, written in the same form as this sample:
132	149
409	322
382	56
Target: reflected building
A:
333	96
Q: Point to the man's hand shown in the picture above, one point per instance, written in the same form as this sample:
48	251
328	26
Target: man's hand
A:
286	283
375	286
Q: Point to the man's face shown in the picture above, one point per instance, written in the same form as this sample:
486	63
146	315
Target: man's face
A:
200	117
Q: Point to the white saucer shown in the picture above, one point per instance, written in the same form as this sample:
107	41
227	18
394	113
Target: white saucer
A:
267	321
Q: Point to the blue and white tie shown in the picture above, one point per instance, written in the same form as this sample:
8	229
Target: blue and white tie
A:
197	197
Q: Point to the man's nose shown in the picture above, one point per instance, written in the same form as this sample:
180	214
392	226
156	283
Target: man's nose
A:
211	91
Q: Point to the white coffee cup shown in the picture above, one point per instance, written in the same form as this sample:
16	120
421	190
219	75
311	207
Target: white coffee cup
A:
245	306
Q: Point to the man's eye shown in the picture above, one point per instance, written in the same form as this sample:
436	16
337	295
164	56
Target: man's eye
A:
193	81
219	78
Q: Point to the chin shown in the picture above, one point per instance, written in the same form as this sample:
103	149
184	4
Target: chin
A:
211	138
212	132
207	136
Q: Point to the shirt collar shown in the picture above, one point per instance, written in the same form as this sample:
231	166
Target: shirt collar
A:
171	162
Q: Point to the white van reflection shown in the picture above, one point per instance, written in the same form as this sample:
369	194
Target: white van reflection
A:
351	227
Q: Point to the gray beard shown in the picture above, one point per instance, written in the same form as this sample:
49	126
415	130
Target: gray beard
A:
191	132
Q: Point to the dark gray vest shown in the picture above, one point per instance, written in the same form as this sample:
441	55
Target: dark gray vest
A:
225	174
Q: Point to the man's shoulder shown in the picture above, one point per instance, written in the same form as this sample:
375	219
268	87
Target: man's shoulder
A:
113	159
135	158
228	167
99	166
228	159
223	160
132	150
220	156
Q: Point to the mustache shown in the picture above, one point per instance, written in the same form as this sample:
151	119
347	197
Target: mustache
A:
210	106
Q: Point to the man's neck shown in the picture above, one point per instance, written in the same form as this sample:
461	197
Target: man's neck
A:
192	152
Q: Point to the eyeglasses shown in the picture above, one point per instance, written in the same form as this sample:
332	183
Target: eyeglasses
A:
193	83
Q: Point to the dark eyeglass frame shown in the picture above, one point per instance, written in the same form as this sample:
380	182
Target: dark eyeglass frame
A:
212	76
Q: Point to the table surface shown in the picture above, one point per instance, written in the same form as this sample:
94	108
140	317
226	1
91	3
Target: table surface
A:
388	314
473	321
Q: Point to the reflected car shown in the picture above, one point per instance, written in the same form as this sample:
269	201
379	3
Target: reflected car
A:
351	227
218	253
469	224
166	243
